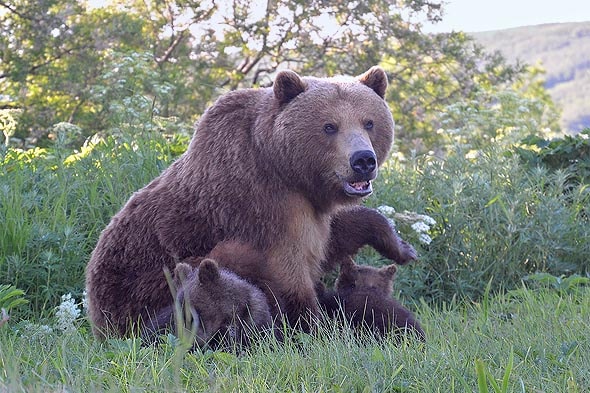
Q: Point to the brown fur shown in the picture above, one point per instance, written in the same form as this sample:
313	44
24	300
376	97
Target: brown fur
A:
224	309
249	264
357	226
262	168
364	293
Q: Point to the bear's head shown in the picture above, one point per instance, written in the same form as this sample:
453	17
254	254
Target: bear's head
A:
329	135
355	278
225	309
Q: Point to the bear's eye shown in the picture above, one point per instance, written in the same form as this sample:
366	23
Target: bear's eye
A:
368	125
330	128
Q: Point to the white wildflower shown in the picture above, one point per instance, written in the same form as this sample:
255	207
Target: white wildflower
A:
427	219
67	313
420	227
33	331
386	210
45	329
424	238
85	302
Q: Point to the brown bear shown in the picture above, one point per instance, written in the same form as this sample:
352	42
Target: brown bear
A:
221	308
270	167
364	294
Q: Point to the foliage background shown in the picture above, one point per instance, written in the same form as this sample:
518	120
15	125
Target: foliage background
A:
560	49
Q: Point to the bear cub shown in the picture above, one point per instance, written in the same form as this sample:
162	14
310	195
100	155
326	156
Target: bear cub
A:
249	264
364	294
223	309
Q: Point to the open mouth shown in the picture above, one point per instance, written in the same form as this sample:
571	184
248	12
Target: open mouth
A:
361	188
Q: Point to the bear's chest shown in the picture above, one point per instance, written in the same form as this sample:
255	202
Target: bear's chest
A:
301	249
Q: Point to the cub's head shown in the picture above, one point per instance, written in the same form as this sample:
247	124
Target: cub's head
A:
224	308
355	278
329	135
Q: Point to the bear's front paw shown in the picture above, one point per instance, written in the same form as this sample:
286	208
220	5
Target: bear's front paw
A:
407	253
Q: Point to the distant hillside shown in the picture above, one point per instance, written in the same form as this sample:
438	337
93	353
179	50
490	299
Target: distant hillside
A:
564	51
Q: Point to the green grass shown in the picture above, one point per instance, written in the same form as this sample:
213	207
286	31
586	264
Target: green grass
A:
526	340
54	203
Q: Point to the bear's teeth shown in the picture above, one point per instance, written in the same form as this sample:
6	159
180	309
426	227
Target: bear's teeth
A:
360	185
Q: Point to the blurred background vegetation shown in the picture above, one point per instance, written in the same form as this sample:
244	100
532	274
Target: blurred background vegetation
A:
133	62
97	101
561	51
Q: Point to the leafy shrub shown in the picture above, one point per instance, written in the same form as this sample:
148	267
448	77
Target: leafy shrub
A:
493	218
496	219
54	203
568	152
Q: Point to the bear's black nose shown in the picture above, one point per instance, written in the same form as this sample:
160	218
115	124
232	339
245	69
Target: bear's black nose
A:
363	161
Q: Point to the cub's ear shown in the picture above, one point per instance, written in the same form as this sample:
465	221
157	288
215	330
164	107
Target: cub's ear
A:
208	271
376	79
347	264
388	271
181	272
287	86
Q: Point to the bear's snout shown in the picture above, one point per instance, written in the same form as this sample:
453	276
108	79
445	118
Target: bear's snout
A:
363	162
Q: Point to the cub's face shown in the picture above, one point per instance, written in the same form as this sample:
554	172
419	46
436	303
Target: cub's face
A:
360	279
332	133
224	308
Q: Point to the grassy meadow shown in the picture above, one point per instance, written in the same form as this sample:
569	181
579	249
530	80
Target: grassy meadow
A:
523	341
500	287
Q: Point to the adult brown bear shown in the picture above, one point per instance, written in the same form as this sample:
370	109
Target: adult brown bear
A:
269	167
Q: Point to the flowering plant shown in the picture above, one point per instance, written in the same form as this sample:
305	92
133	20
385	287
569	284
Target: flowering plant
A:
420	223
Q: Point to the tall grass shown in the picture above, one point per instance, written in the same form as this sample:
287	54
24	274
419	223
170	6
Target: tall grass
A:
54	203
523	341
497	222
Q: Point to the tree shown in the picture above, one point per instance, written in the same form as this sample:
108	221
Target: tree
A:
133	61
52	53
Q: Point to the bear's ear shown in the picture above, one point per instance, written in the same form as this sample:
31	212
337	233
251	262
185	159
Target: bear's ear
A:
208	271
347	264
287	86
388	271
376	79
181	272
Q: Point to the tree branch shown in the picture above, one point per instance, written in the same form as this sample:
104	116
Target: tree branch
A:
9	8
173	45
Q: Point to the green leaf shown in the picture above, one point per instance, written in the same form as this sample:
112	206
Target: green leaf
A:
11	297
480	370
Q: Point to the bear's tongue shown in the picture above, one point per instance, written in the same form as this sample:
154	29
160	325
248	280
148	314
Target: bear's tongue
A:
361	185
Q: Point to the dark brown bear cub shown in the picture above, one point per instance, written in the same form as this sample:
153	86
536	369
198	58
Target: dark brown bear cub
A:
222	309
250	265
364	293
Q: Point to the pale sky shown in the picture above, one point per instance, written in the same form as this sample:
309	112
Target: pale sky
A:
483	15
